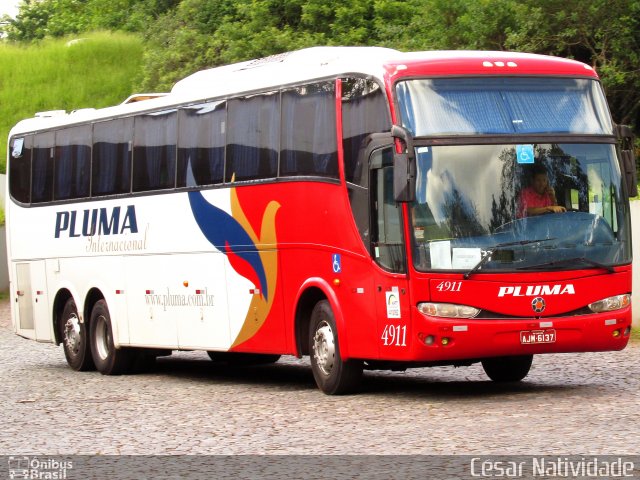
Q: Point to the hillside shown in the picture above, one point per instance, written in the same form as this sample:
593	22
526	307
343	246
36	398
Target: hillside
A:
95	70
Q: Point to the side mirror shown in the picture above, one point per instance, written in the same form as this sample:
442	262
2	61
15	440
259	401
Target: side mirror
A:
628	158
404	166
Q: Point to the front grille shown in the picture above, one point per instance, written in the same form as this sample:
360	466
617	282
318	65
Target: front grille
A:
488	315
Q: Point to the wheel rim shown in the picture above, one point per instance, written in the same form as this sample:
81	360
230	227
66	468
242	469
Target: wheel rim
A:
72	336
324	348
102	337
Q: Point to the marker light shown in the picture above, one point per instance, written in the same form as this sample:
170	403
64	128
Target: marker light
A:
612	303
447	310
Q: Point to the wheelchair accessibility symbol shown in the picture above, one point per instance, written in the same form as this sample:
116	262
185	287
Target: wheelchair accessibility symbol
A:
524	153
336	263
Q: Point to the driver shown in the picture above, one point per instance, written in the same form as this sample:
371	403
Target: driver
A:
539	197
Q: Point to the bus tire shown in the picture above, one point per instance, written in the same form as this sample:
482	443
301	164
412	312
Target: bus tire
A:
507	369
243	359
333	375
75	338
108	359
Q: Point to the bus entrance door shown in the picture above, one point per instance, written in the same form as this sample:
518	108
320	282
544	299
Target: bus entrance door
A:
391	285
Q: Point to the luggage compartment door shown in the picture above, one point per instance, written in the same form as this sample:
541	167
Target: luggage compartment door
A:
24	300
33	319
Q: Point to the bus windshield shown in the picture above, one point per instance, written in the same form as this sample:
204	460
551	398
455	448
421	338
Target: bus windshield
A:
479	203
503	105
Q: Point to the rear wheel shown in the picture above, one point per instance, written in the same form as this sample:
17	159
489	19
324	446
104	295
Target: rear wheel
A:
332	375
75	338
507	369
108	359
241	359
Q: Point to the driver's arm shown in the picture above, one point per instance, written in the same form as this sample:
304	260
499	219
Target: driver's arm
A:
549	209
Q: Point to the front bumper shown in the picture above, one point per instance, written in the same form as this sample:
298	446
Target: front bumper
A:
437	339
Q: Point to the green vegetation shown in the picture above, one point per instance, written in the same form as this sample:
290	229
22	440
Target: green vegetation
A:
95	70
58	18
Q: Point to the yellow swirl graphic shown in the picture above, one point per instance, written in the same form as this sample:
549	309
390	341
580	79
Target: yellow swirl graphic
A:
266	243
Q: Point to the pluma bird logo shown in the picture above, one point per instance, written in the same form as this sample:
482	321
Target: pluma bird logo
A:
253	255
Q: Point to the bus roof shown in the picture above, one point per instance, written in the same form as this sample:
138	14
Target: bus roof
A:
318	63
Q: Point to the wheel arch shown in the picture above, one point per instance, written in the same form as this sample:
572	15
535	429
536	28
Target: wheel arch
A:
93	296
310	293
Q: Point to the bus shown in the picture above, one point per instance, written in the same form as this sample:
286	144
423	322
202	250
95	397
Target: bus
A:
358	205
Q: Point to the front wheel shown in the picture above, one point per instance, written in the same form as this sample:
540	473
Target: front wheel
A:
507	369
332	375
108	359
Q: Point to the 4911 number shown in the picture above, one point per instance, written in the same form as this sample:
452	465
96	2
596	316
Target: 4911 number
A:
449	286
394	335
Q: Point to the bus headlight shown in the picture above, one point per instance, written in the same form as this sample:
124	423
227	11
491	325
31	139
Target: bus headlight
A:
612	303
450	310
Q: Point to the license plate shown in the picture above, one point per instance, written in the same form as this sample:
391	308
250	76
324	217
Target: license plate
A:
537	336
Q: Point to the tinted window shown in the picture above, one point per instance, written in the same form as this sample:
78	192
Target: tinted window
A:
72	163
111	164
20	169
42	168
364	111
502	105
253	137
154	152
309	145
201	144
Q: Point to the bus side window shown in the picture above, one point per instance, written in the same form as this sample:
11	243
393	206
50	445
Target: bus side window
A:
111	160
364	111
154	151
72	163
201	140
253	137
42	168
20	169
309	144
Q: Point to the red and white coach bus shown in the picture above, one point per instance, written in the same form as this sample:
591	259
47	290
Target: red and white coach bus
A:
362	206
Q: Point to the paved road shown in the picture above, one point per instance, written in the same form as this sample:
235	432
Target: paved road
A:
584	404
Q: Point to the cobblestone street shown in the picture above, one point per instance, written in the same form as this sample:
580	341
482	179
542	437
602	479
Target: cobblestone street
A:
573	403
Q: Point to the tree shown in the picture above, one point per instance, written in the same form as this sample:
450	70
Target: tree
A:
602	33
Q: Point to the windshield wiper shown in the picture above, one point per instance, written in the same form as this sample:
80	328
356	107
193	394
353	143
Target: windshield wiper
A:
569	261
489	253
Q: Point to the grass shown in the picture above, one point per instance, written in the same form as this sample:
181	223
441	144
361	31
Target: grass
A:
98	70
635	334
